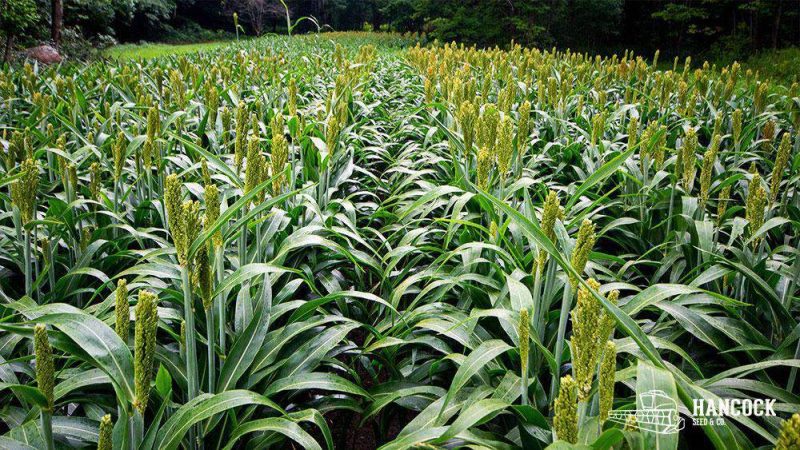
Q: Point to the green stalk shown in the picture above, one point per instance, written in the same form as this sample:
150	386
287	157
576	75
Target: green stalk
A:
191	346
47	429
210	331
136	429
27	263
566	304
51	273
220	269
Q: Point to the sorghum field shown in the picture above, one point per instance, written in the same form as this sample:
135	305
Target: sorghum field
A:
352	240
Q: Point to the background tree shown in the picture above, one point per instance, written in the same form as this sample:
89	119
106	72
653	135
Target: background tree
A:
16	16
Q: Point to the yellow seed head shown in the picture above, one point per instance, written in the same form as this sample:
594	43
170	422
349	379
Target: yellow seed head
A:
789	439
483	169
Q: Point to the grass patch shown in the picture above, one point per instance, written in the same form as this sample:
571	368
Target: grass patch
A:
147	51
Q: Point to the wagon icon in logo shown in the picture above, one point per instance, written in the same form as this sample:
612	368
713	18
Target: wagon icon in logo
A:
659	414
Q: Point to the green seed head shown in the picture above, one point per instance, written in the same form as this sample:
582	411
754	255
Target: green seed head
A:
606	324
605	379
23	190
485	162
781	162
145	347
598	127
467	115
760	98
565	421
707	171
204	275
45	367
241	136
524	339
172	202
523	127
280	154
583	247
505	148
551	212
122	310
94	181
754	208
633	131
687	159
212	212
487	127
736	125
106	440
252	174
292	97
789	439
586	318
722	202
118	152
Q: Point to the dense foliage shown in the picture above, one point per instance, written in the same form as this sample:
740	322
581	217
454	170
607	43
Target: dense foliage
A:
344	240
720	30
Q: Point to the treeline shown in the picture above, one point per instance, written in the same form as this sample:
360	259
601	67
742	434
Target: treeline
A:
712	27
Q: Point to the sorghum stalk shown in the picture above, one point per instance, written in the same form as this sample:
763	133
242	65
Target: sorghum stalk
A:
45	380
206	284
523	131
565	421
524	349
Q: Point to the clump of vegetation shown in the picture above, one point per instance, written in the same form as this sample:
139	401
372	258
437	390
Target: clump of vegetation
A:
340	240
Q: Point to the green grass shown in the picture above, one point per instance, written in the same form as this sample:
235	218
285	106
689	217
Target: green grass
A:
147	51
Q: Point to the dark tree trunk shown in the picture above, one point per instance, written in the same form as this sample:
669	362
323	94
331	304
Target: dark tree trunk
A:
777	25
57	22
9	46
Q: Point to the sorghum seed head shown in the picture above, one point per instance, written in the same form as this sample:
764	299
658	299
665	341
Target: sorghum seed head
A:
45	366
122	310
106	440
605	379
144	347
565	421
